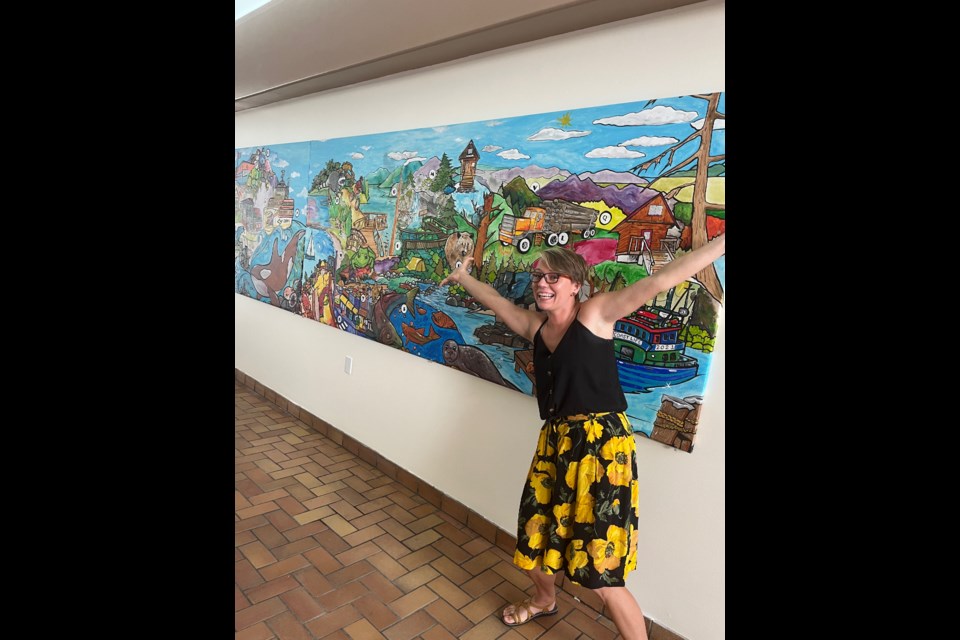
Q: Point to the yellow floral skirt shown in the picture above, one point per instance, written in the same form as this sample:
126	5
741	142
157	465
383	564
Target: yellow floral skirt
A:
579	509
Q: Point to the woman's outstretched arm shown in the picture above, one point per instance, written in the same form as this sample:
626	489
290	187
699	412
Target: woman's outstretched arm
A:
612	306
521	321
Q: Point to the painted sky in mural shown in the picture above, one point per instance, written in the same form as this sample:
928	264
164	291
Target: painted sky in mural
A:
357	233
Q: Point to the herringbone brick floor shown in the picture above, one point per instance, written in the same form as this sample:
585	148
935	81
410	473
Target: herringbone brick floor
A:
328	546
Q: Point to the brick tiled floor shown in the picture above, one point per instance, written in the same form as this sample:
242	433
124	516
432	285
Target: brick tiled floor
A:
328	546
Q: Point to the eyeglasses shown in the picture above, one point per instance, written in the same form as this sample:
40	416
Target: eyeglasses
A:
550	277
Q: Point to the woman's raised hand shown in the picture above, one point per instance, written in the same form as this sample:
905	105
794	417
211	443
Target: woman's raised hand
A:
454	277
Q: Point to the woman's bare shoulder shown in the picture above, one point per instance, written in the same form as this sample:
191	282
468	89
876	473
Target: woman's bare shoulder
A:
591	317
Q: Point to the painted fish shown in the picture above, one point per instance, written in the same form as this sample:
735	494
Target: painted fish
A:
443	321
417	337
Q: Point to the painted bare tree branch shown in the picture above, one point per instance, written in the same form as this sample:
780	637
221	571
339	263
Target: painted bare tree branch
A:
698	223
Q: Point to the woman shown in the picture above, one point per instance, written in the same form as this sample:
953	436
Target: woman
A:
579	507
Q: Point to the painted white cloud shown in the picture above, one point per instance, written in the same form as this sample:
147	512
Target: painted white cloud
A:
295	174
280	163
366	147
513	154
458	139
648	141
658	115
303	193
614	152
495	123
409	160
401	155
550	133
490	148
439	129
717	124
356	155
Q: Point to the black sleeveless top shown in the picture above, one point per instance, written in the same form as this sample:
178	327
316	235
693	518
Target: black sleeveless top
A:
579	377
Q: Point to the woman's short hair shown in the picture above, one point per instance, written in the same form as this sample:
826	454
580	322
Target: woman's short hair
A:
565	261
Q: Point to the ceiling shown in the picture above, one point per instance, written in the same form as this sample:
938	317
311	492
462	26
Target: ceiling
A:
290	48
243	7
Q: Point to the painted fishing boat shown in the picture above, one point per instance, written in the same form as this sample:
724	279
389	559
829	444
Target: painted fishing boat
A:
649	351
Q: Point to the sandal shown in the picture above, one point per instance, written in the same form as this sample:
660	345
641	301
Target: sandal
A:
525	605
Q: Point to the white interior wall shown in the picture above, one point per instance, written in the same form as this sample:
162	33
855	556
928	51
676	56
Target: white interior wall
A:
470	438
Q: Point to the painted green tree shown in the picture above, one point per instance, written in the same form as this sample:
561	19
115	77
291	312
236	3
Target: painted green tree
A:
444	177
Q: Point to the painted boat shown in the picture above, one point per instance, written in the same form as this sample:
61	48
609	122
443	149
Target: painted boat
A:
649	351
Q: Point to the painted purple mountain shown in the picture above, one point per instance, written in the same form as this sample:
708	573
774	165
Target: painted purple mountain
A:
612	177
492	180
573	189
423	173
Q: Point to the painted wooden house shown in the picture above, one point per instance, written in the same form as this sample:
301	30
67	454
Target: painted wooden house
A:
646	225
468	167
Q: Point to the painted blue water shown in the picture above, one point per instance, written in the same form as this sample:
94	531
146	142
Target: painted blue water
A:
421	318
468	321
642	407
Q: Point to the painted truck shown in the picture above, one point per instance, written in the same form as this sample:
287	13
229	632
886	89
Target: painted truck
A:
556	221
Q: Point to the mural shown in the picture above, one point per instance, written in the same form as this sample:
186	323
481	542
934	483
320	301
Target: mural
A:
358	232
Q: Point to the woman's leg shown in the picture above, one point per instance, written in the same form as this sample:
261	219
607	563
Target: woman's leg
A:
625	612
543	600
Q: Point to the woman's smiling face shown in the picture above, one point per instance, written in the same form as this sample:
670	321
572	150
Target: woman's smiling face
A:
551	295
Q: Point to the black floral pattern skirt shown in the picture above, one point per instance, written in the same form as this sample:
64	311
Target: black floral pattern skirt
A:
579	509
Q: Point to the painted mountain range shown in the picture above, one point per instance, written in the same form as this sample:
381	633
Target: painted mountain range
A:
612	177
492	180
628	199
